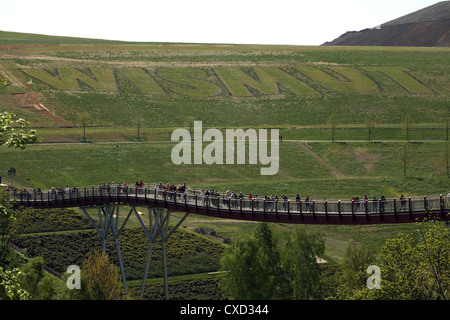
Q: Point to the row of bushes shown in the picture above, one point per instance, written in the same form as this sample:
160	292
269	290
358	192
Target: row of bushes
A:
49	220
187	252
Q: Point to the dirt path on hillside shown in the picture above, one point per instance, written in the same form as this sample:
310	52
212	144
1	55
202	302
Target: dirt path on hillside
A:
333	169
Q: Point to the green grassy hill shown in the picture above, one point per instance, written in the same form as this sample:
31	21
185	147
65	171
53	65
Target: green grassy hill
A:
222	85
159	87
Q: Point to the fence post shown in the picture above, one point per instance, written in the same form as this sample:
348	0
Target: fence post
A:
339	209
218	205
276	209
289	209
366	208
353	209
264	207
425	207
410	208
314	210
395	208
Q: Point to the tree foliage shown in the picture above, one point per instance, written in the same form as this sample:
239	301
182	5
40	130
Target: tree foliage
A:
14	132
251	266
259	267
100	279
7	224
10	287
413	266
300	259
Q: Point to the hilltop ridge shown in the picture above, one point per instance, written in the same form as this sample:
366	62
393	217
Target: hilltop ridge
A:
427	27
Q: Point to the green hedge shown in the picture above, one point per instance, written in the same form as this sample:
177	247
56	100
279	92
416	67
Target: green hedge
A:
49	220
186	252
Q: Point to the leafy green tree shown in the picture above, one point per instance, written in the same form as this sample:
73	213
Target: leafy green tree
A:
9	285
14	132
300	260
39	284
252	266
100	279
357	258
7	224
413	266
370	125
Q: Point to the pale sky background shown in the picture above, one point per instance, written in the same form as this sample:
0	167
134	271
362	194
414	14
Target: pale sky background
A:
203	21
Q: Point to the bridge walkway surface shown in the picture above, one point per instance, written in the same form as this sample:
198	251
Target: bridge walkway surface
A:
377	211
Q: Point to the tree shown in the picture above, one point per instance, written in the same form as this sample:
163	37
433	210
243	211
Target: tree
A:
446	128
408	125
300	260
100	279
413	266
404	157
357	258
189	122
10	136
444	159
370	125
10	287
332	125
84	119
39	284
252	266
7	225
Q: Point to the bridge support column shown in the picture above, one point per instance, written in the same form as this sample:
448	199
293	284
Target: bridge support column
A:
158	232
109	220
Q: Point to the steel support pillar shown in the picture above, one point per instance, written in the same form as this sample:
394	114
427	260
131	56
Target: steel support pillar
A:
157	232
108	216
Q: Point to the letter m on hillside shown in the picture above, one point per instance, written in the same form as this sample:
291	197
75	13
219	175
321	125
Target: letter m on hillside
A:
71	79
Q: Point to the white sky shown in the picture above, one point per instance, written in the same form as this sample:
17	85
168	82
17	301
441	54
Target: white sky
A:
203	21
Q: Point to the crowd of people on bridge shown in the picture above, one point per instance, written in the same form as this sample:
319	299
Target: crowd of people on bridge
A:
214	198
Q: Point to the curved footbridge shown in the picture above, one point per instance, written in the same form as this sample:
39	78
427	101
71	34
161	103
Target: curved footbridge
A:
279	211
108	202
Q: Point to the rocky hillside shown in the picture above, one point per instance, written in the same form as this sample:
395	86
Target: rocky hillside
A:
428	27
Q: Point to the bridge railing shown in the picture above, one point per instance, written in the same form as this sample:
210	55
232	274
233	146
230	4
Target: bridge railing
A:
193	198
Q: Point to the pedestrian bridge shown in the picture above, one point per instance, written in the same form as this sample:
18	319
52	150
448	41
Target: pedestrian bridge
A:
107	201
349	212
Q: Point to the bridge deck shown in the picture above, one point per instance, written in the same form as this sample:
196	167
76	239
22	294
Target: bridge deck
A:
312	212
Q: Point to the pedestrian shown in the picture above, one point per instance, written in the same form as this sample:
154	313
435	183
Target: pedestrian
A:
297	200
285	199
358	203
402	203
374	204
383	203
